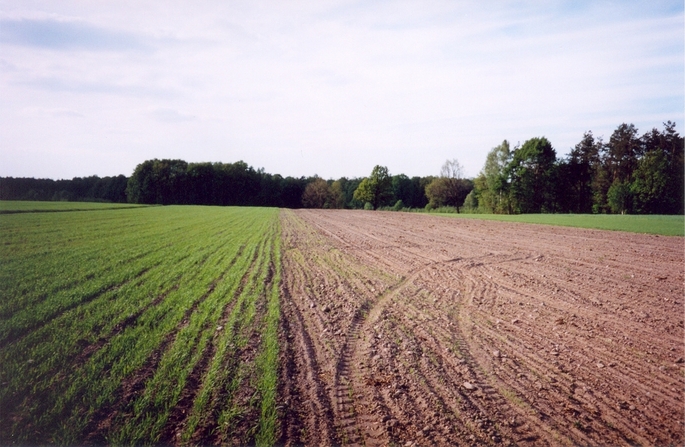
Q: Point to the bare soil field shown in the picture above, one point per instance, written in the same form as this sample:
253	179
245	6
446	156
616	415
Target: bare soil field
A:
410	329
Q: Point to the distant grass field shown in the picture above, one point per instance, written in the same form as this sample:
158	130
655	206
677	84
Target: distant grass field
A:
653	224
111	320
18	206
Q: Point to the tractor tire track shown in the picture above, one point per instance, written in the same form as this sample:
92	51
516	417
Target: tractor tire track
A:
488	333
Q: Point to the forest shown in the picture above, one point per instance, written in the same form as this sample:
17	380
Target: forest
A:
78	189
629	173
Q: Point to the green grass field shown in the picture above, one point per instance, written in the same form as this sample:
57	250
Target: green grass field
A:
662	225
158	307
12	207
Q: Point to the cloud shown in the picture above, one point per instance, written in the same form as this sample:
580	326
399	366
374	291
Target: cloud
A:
171	116
56	112
334	87
55	84
66	35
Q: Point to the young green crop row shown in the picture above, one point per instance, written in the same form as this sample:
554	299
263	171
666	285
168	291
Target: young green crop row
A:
111	321
20	206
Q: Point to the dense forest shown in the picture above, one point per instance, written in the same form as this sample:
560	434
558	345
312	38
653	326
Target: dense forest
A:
178	182
628	174
79	189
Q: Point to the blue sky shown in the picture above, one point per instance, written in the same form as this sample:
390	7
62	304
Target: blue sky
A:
328	88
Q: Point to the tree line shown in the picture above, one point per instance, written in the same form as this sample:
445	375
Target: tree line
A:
628	174
169	182
78	189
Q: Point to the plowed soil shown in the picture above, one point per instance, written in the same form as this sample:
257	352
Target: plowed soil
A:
410	329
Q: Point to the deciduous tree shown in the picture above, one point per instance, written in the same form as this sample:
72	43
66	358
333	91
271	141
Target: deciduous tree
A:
316	194
657	182
494	193
375	189
449	189
531	172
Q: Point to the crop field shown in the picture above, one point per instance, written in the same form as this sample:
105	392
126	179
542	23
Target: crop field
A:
211	325
146	325
18	206
408	329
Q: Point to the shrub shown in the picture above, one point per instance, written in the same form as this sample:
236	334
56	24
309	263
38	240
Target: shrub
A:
445	210
399	205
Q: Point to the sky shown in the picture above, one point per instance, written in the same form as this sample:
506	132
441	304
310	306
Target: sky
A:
330	88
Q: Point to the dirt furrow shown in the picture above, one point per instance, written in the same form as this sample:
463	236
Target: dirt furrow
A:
308	413
425	330
608	411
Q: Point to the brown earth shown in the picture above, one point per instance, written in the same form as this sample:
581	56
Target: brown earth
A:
410	329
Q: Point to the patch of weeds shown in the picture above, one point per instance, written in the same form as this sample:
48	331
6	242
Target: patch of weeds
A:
514	398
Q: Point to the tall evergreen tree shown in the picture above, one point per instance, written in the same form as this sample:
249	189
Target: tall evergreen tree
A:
582	165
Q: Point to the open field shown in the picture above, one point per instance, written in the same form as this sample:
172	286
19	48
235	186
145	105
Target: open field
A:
401	327
18	206
650	224
207	325
147	325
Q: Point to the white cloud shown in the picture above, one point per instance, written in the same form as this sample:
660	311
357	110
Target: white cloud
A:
310	88
41	112
171	116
